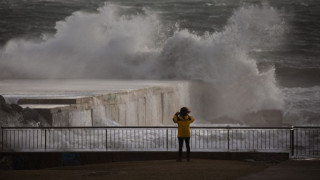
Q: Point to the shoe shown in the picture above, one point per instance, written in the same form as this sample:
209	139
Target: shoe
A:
188	159
179	160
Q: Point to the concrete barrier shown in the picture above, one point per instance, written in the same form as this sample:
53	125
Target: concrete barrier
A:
129	103
99	103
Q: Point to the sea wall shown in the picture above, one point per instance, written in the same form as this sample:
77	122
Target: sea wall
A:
151	106
155	106
144	107
127	103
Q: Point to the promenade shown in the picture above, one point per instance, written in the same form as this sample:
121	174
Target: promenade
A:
292	170
131	170
170	169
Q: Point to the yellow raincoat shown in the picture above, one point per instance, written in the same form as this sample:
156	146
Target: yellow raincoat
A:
183	125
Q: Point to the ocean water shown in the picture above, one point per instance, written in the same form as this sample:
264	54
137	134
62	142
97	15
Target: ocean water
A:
259	55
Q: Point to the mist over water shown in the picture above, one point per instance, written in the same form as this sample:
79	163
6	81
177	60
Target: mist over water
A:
241	49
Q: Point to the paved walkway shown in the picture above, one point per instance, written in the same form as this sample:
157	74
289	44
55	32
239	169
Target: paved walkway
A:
289	170
197	169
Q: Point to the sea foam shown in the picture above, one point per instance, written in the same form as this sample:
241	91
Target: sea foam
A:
110	44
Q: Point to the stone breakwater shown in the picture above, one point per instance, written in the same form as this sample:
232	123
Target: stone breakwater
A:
92	103
149	106
121	102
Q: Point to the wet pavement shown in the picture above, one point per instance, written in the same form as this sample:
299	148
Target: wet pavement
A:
289	170
197	169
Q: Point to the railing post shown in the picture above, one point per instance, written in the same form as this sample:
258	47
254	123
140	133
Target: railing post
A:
292	140
167	139
2	144
45	140
106	139
228	139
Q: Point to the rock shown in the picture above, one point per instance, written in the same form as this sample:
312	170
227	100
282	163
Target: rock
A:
7	108
15	115
16	108
29	114
4	106
2	100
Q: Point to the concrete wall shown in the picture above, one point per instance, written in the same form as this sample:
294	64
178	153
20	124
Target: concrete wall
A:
151	106
144	107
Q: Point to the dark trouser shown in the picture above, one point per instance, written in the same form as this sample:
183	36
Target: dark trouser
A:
187	140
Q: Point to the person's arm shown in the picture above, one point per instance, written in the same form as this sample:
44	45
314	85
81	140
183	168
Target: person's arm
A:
175	118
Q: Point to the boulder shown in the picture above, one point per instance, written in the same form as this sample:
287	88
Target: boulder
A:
7	108
30	114
4	106
2	100
16	108
15	115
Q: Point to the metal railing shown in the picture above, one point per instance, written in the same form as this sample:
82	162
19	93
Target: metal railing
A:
298	141
306	141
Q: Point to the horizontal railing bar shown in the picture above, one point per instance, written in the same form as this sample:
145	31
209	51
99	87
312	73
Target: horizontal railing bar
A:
91	127
309	127
159	127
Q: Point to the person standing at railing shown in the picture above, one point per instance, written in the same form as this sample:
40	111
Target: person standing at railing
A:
183	119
